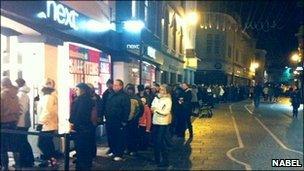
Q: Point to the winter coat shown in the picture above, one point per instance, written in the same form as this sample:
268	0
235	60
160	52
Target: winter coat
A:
118	108
257	91
194	95
136	110
81	112
187	96
104	100
162	110
145	120
295	99
24	101
48	111
10	108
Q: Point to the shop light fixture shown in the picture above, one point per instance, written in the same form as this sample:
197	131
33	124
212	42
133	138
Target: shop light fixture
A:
95	26
134	26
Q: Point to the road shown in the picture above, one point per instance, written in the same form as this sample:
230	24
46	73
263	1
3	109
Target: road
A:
237	137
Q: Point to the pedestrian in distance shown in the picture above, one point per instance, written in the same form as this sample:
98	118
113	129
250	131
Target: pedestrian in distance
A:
257	92
295	99
117	114
161	107
26	156
48	122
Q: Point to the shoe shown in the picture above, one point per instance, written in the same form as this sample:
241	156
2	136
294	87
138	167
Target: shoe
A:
110	155
117	159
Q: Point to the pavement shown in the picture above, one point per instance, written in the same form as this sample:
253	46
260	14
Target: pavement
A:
237	137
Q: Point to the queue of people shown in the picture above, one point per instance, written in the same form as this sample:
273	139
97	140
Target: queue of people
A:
133	121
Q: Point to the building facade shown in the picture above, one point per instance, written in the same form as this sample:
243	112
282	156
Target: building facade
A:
261	75
224	50
158	52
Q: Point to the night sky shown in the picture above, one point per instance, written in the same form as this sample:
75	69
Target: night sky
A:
273	23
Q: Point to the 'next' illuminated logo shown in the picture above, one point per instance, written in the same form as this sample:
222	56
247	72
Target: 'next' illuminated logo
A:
60	14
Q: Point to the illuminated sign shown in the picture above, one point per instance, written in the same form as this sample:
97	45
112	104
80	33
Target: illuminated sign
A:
151	52
60	14
131	46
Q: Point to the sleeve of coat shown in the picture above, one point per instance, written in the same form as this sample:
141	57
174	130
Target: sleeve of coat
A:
126	108
24	101
166	109
148	116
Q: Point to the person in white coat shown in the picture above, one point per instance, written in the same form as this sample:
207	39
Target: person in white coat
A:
26	158
161	107
48	122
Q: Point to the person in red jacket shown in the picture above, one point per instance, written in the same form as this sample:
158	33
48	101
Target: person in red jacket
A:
145	125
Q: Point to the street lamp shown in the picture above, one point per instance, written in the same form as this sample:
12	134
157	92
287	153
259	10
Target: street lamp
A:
295	57
134	26
191	18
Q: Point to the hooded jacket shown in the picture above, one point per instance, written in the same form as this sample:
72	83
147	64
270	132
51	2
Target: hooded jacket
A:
48	110
24	101
10	108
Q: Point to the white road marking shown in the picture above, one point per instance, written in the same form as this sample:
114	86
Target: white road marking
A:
246	107
230	108
241	144
274	136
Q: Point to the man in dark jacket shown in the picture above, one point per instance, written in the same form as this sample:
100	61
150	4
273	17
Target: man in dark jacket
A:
295	101
187	110
117	114
105	96
257	92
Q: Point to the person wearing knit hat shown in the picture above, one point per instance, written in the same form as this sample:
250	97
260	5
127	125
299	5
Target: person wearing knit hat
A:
48	121
80	119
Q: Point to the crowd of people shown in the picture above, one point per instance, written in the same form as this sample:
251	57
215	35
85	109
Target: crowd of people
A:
135	117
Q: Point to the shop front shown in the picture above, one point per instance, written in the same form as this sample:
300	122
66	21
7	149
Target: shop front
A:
172	70
45	39
137	63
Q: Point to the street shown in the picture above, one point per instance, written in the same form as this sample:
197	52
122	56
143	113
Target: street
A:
235	138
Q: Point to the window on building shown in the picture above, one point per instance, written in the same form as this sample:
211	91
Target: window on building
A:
166	27
229	51
237	53
217	44
209	43
181	41
146	6
158	7
174	34
134	8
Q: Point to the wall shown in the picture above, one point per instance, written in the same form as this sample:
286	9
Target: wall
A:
51	57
